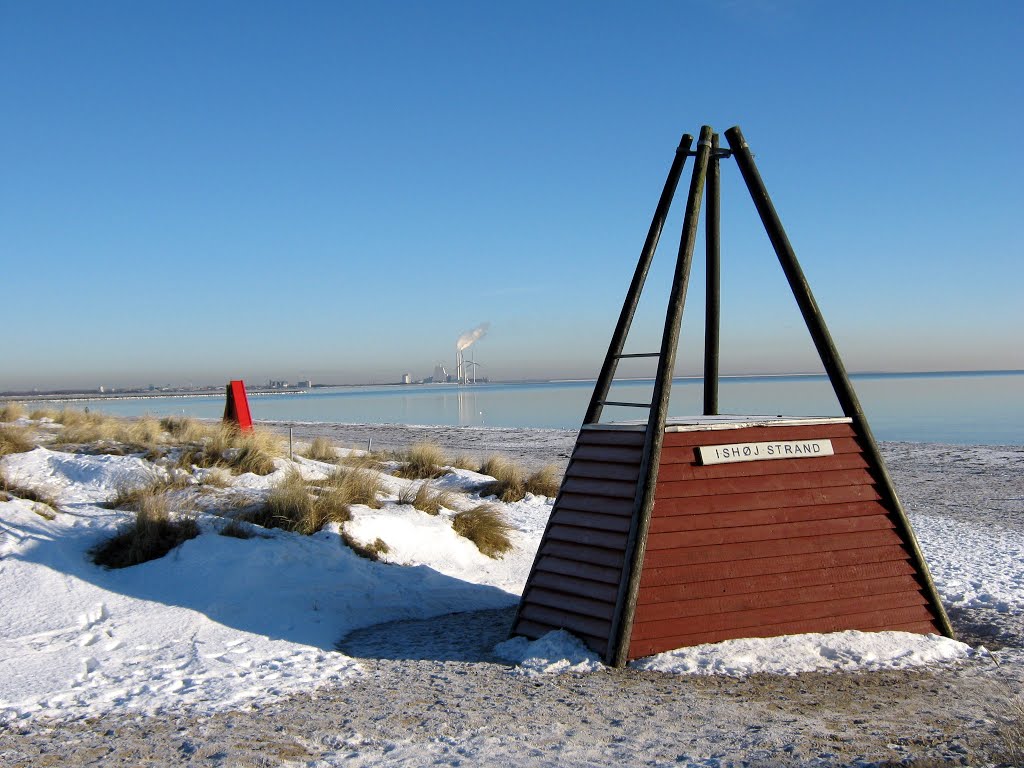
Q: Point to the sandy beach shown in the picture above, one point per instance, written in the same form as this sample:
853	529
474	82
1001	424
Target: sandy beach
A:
435	694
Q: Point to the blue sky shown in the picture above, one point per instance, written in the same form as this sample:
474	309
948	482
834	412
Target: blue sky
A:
212	190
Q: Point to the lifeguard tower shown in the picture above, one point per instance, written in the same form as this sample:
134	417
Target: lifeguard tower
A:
671	532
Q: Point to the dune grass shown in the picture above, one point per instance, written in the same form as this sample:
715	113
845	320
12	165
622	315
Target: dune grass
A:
44	413
486	527
371	551
423	461
15	439
227	447
511	483
12	490
236	530
152	534
426	500
465	462
11	411
298	506
321	449
132	496
114	435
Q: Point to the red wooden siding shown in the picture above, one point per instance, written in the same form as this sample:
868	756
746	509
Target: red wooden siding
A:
575	580
763	548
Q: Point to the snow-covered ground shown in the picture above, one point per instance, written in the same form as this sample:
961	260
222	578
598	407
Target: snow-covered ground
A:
222	624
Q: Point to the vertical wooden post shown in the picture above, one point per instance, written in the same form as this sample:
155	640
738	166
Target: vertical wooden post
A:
636	543
611	360
712	306
829	355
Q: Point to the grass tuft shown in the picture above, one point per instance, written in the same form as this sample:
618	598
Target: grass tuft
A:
322	449
131	496
236	530
465	462
295	505
422	498
369	551
511	483
152	535
11	411
224	445
14	439
423	461
544	482
486	527
363	460
44	413
10	489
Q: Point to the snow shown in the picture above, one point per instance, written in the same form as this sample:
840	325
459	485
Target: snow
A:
791	654
221	622
554	653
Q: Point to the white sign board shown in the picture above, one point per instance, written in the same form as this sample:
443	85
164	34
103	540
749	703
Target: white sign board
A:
782	449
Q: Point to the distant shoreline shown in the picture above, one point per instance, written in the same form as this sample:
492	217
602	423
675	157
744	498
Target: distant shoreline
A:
71	397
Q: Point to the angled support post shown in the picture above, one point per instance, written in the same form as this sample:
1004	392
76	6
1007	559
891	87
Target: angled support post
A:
611	360
629	586
830	355
713	296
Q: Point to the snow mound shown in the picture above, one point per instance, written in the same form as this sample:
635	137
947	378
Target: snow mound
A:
850	651
555	653
76	479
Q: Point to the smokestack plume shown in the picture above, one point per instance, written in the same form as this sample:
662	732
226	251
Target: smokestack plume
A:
469	337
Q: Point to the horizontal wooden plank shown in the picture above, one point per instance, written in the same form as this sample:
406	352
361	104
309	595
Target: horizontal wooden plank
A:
758	435
558	565
591	520
535	630
567	620
734	502
674	472
757	617
919	627
607	558
765	516
603	471
728	554
698	609
759	484
771	581
610	437
577	535
584	606
603	506
873	621
608	454
657	575
713	537
590	487
571	585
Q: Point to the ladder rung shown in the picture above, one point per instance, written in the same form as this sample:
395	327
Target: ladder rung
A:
641	354
631	405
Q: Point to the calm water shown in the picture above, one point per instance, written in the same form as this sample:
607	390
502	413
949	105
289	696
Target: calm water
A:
984	408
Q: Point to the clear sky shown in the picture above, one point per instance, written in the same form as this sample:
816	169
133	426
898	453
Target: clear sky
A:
199	191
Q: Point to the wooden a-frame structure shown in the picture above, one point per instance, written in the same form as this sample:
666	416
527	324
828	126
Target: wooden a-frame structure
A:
653	545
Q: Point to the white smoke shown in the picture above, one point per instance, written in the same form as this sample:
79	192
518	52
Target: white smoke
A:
469	337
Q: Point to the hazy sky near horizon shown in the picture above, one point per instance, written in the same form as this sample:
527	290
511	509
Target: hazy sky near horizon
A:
196	191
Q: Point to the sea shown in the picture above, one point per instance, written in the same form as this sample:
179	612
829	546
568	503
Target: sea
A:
967	408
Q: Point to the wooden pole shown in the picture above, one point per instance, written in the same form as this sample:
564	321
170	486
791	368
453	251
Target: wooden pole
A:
830	356
611	360
636	543
713	297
